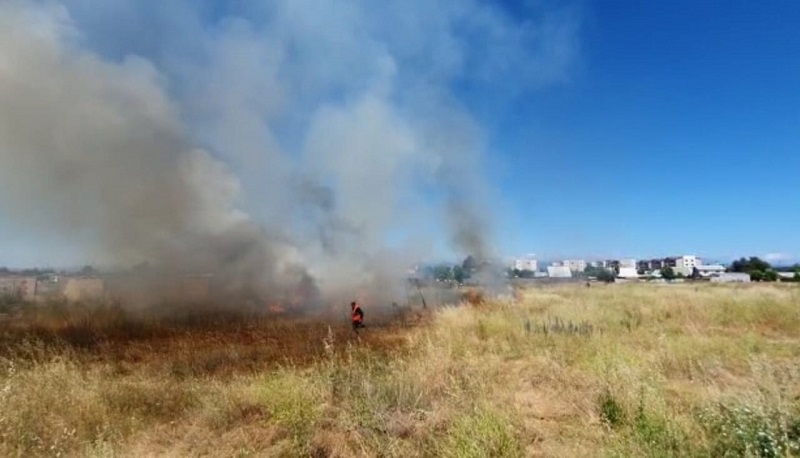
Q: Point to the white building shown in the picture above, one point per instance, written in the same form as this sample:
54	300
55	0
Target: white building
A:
686	264
575	265
628	272
559	272
732	277
526	264
627	264
710	270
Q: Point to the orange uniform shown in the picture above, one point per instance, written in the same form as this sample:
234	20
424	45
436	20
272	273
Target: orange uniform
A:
357	316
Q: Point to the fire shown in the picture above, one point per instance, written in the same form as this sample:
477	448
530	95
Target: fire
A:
276	307
473	297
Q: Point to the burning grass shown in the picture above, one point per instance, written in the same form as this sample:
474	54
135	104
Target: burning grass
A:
189	342
625	370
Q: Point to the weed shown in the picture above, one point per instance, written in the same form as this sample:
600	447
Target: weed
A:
483	330
741	430
149	401
556	325
611	411
659	436
481	433
632	319
294	403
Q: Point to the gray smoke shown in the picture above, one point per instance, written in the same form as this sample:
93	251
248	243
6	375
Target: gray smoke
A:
285	146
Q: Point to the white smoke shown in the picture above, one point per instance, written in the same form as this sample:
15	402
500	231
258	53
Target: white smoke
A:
271	142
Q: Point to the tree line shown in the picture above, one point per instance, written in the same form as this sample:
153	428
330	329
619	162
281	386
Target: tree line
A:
453	273
760	270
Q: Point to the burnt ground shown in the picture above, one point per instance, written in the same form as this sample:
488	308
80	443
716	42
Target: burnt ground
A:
194	342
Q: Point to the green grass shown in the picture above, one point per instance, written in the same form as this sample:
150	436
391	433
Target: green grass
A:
479	433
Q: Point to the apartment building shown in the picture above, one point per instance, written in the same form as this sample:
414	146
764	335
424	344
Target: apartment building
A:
574	265
526	264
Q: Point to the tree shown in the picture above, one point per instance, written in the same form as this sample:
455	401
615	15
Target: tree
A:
758	269
459	274
592	271
749	265
470	264
600	273
606	276
771	275
667	273
443	272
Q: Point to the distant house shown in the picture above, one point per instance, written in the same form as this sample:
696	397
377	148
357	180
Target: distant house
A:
649	265
575	265
686	264
617	264
559	272
683	265
732	277
526	264
18	286
710	270
628	272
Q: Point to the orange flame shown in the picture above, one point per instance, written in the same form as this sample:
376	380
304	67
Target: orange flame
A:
276	307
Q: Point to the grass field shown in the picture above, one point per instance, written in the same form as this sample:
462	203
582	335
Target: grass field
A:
611	370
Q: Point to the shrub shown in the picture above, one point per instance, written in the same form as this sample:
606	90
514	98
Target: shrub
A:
611	411
483	432
743	430
294	403
149	400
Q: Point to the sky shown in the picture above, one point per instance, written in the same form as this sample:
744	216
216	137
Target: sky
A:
678	132
572	129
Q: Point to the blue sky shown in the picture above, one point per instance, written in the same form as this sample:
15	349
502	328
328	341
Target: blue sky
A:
678	132
593	129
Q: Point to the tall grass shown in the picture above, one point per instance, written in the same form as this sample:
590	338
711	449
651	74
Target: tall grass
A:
616	370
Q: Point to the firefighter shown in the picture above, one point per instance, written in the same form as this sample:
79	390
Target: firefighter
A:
357	316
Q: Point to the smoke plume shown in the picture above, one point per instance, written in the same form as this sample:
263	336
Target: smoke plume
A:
287	147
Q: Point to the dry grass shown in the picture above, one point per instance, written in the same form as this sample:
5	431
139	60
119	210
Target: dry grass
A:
613	370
